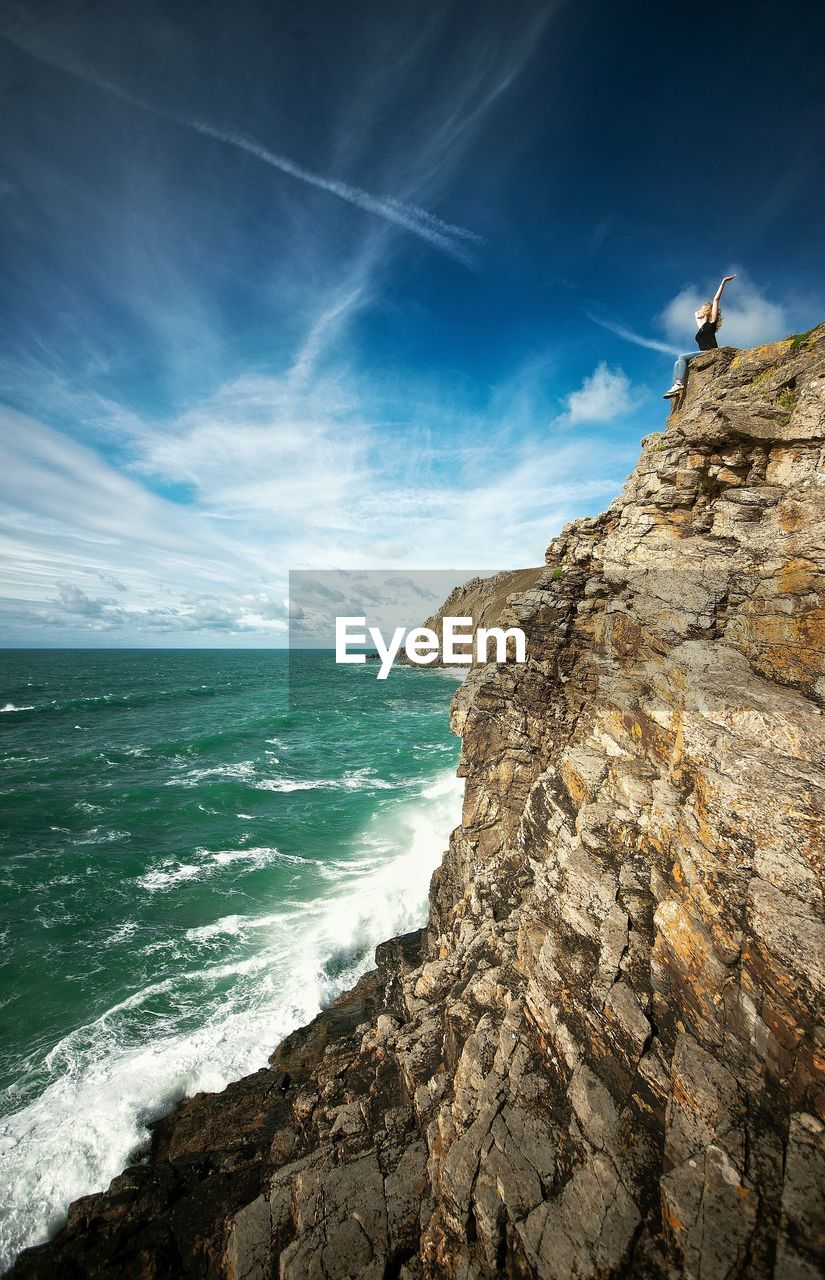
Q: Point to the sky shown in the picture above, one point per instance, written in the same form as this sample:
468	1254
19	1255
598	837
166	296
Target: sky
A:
365	286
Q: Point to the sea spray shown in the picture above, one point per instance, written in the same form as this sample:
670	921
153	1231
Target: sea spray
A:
112	1077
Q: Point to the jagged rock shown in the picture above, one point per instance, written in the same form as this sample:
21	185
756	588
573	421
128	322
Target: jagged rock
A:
604	1056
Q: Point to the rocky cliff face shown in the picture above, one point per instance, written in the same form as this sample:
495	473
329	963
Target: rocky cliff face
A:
604	1056
483	600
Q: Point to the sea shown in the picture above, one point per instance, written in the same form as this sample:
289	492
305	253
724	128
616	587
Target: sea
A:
198	851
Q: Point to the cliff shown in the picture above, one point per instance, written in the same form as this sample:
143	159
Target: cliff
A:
484	600
604	1056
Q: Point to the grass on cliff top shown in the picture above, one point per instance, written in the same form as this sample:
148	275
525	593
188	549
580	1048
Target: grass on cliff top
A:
800	339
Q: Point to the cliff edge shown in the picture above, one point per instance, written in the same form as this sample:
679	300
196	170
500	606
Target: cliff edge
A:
483	601
604	1057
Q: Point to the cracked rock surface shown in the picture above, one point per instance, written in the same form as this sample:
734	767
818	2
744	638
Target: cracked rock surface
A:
604	1055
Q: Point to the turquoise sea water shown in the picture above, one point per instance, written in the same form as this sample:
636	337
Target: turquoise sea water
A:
190	866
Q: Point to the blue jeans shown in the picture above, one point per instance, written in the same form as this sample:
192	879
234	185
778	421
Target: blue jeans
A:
680	367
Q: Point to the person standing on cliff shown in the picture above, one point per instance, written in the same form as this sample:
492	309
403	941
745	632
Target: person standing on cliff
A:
709	320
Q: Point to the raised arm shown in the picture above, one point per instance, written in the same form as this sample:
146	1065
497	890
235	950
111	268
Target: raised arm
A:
714	306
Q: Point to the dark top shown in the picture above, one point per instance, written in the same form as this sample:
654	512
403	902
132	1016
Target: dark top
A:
706	337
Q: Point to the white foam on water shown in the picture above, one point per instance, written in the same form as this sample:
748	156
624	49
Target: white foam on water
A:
257	856
11	707
96	835
121	934
169	873
283	784
353	780
365	779
242	770
335	869
233	925
107	1080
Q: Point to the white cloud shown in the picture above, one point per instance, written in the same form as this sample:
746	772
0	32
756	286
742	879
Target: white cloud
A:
286	473
603	396
73	600
44	472
751	317
267	446
69	520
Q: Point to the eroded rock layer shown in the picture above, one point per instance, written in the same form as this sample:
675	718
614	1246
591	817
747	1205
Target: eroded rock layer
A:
604	1056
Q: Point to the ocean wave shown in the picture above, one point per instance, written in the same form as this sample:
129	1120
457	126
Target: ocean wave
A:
211	1024
249	772
285	785
365	779
95	835
352	780
227	924
242	770
334	872
135	698
259	857
121	934
169	873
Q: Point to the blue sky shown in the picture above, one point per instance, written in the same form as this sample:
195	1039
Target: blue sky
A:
357	285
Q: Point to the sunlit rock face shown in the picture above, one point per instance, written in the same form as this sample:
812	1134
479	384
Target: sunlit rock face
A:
603	1057
640	867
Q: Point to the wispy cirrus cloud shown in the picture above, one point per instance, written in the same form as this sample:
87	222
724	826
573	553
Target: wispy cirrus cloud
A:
69	520
629	335
169	258
234	422
357	495
449	238
280	473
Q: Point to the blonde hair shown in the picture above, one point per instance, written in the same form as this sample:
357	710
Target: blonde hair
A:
705	310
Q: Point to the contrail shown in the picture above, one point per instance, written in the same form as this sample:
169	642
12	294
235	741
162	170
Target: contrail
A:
450	239
448	228
442	235
630	336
